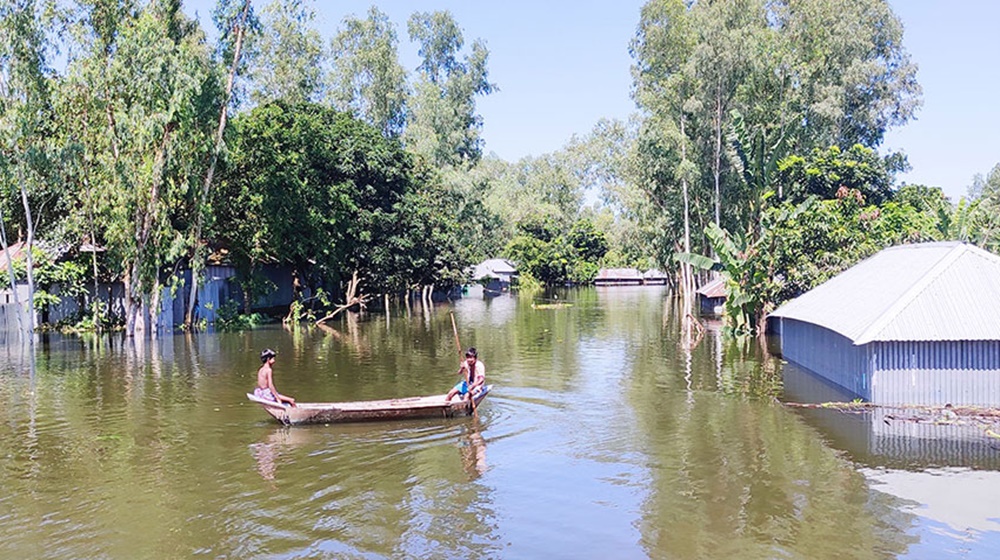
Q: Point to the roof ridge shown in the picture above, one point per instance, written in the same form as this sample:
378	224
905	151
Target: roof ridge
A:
911	294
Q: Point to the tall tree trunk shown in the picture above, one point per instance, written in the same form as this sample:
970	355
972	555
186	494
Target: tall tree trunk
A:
197	264
132	301
30	242
717	160
93	258
687	287
135	295
154	307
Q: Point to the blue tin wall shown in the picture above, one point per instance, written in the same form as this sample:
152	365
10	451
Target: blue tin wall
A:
964	372
828	354
896	373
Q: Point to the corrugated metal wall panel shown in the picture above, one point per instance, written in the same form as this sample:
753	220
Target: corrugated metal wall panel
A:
963	372
828	354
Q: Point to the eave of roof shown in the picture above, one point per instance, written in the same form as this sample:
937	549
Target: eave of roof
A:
924	292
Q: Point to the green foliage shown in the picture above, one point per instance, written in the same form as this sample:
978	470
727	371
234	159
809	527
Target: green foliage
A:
97	319
557	259
824	172
729	89
367	76
327	194
287	53
526	284
229	318
444	126
982	214
801	246
70	276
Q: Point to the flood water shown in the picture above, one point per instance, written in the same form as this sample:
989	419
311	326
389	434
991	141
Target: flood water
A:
606	436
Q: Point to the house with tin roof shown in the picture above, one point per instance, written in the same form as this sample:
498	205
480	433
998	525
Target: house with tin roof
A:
913	324
712	296
618	277
495	275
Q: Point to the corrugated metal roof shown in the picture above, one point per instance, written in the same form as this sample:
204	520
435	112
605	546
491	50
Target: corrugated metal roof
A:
921	292
493	268
714	289
619	274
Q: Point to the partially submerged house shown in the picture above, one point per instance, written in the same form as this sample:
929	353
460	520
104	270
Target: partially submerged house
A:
913	324
712	296
654	277
618	277
496	275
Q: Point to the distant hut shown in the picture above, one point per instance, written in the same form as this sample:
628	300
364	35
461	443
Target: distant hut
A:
914	324
618	277
654	277
712	296
496	275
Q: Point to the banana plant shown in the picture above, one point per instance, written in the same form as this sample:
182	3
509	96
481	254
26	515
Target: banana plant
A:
746	262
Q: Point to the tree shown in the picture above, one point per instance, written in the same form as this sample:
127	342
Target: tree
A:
234	30
326	194
287	55
29	159
367	78
555	258
149	96
824	172
984	214
801	75
665	89
852	78
726	34
444	126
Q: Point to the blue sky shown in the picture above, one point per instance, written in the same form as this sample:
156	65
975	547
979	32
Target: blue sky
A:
563	65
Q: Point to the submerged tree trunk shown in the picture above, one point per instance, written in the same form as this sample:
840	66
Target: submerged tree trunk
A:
351	298
687	280
154	307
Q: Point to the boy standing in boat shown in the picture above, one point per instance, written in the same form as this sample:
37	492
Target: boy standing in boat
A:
265	380
473	374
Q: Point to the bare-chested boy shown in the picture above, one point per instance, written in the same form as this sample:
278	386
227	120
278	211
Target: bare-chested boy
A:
265	380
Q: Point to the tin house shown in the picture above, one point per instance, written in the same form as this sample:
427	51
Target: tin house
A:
913	324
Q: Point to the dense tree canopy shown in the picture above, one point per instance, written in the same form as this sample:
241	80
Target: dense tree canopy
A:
327	194
755	145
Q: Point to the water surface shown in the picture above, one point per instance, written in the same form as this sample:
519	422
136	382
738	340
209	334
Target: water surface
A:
606	436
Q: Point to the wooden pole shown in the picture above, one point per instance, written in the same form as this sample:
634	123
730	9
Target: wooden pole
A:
454	329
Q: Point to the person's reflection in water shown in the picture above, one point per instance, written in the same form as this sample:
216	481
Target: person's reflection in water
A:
267	452
266	456
474	455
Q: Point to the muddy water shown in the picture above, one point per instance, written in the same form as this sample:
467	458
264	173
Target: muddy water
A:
606	436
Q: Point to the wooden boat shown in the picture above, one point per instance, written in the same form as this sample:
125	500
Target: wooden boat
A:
433	406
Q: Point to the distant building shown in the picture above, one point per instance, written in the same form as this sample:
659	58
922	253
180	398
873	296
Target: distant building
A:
654	277
496	275
712	296
914	324
618	277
